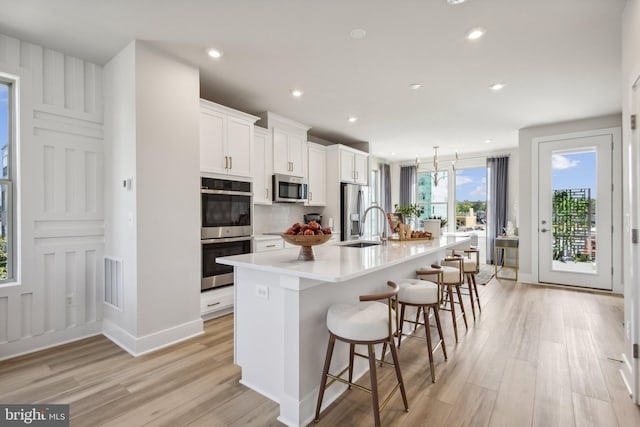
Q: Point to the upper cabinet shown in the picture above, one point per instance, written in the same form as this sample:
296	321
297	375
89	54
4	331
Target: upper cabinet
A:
226	140
262	166
317	168
289	144
353	164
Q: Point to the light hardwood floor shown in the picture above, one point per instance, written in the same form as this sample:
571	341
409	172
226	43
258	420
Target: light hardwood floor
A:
536	356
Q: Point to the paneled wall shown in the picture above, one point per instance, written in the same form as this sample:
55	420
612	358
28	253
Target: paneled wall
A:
58	296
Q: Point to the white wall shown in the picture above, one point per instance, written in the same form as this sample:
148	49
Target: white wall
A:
526	185
61	234
152	117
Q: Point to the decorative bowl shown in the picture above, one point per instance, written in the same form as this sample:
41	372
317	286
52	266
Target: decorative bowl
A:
306	243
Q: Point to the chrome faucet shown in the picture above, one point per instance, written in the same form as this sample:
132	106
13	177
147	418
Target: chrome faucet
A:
384	221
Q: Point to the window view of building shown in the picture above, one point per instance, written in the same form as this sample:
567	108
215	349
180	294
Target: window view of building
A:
6	184
471	199
433	195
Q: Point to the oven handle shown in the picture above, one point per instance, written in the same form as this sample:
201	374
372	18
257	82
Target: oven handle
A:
226	192
227	240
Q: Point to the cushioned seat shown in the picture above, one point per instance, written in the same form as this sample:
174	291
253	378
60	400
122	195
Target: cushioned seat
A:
449	274
414	291
366	321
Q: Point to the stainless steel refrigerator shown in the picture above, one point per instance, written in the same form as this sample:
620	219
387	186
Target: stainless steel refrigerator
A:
352	206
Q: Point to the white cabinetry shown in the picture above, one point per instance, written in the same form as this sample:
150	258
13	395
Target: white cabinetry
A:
265	244
262	166
216	302
289	144
353	165
226	140
317	168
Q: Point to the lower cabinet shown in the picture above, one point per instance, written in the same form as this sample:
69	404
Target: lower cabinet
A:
265	245
216	302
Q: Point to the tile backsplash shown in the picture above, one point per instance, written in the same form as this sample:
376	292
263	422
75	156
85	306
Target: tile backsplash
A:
280	216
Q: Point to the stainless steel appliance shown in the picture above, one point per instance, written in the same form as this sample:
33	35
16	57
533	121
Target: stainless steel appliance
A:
226	227
292	189
351	209
313	217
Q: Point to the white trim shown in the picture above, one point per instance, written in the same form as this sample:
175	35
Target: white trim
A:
616	135
148	343
48	340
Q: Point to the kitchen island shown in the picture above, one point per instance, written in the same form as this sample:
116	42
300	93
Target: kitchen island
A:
280	334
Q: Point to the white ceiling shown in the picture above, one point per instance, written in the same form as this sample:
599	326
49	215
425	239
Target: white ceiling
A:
560	59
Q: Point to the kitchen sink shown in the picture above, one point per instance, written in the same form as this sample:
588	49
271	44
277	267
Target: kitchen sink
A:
361	244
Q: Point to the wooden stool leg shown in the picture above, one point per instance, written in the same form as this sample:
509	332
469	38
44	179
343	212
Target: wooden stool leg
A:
453	311
475	288
325	371
352	353
436	313
427	333
415	325
402	306
464	315
396	364
384	351
473	306
374	384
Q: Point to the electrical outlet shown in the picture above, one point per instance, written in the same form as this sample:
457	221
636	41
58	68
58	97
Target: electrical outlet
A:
262	291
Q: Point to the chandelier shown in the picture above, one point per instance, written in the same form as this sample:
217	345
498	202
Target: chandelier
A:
435	173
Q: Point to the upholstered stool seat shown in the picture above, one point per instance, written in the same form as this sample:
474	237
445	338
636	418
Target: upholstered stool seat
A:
424	295
448	275
366	323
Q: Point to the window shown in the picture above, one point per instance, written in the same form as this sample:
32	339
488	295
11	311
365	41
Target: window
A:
7	258
433	198
471	199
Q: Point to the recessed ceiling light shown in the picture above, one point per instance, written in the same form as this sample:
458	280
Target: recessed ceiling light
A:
497	86
214	53
415	86
352	119
393	154
455	1
358	34
297	93
475	33
488	141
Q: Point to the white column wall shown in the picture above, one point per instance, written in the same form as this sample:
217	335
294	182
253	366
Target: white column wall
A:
60	227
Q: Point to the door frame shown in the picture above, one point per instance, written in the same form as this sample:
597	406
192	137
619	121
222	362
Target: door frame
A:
616	199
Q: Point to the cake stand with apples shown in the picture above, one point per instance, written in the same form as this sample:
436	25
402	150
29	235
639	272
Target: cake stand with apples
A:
306	236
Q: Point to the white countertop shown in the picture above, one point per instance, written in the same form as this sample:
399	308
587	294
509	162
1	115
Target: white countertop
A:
335	263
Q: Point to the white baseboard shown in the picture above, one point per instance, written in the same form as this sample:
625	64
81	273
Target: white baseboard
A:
49	339
526	278
137	346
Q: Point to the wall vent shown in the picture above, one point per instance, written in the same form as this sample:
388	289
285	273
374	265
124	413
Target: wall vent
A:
113	281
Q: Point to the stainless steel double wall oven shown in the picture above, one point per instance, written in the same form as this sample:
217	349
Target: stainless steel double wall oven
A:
226	227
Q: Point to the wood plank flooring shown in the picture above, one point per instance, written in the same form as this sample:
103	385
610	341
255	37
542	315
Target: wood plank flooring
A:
536	356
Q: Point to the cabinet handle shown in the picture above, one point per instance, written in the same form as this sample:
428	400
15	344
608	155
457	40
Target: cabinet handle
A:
356	174
215	303
310	195
266	193
230	162
271	246
226	162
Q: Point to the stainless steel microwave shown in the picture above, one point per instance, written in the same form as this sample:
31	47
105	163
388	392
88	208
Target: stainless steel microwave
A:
292	189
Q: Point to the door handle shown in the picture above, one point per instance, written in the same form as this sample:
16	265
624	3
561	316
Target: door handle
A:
230	162
544	230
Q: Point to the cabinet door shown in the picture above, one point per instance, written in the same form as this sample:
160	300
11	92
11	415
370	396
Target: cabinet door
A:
317	177
347	173
361	169
296	149
239	146
262	168
281	152
212	137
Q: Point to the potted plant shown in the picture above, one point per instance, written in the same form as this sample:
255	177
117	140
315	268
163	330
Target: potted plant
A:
408	213
435	225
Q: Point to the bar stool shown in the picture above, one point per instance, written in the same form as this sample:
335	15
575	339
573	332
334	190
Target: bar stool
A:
450	277
366	323
471	267
425	296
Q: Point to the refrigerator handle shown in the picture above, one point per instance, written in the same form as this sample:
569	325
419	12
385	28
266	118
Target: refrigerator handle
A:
359	207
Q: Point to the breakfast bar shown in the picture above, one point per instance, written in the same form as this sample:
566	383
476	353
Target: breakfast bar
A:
280	335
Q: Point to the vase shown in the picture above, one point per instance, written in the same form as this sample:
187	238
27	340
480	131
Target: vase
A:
432	226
